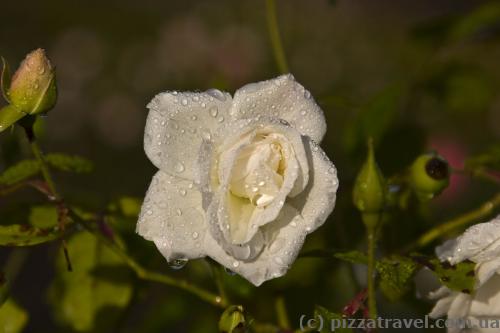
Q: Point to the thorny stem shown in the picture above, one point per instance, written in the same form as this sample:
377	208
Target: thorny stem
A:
485	210
141	272
274	34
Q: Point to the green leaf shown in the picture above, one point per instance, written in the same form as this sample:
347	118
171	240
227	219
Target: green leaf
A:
71	163
480	20
354	257
5	79
327	321
9	115
90	298
18	172
374	118
129	206
26	235
396	276
44	216
13	318
459	277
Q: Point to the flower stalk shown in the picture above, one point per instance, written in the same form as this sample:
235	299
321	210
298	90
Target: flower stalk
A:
274	34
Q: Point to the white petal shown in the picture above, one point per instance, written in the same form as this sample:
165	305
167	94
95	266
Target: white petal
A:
442	306
172	217
224	216
485	270
317	201
284	98
284	238
486	300
176	125
460	306
478	243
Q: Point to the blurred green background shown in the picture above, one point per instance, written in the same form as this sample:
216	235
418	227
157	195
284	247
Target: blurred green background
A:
415	75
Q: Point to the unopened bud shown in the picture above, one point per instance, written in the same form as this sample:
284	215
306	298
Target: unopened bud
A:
233	320
369	189
429	175
33	86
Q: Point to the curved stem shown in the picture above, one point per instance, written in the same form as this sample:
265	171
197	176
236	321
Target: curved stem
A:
141	272
274	34
485	210
372	302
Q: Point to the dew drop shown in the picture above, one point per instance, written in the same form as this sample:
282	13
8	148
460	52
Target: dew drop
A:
177	263
216	93
229	272
221	119
178	211
307	94
213	111
262	183
182	192
236	264
184	102
179	167
194	117
195	235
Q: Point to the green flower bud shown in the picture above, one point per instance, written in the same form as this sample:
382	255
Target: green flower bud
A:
233	320
429	175
370	189
33	86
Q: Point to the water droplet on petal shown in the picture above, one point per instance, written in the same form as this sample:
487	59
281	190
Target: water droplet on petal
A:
177	263
229	272
178	211
216	93
184	101
179	167
182	192
195	235
236	264
221	119
307	94
213	111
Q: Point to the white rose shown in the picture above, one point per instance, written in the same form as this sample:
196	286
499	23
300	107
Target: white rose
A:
480	244
242	180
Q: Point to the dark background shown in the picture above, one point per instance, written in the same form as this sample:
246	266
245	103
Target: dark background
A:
416	75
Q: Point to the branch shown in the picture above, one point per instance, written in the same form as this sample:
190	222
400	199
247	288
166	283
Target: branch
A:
482	212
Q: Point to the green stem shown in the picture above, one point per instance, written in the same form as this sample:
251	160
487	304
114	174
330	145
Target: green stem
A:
141	272
372	302
281	313
44	167
482	212
218	272
274	34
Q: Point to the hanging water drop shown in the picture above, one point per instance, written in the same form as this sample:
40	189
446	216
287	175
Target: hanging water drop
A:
177	263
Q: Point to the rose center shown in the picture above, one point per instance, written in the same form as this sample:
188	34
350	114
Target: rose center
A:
259	168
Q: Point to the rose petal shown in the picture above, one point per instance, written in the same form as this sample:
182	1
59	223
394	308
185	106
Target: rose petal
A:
176	125
486	301
240	220
171	216
284	238
317	201
478	243
442	306
485	270
283	98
